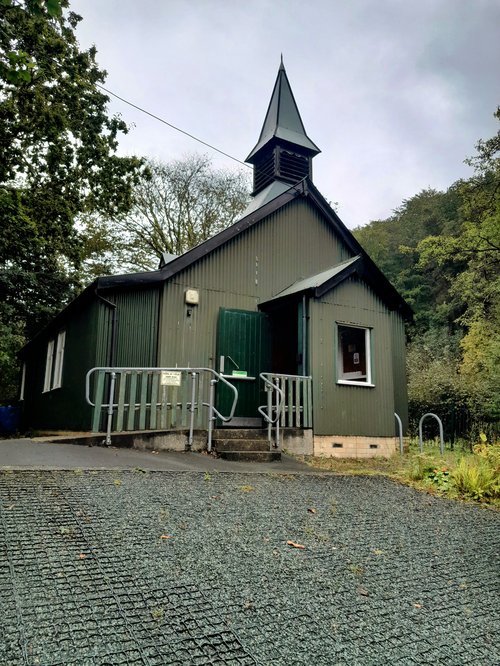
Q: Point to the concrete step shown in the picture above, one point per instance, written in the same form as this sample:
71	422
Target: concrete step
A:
240	433
251	456
221	444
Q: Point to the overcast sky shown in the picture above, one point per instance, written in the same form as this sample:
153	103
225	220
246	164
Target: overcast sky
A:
396	93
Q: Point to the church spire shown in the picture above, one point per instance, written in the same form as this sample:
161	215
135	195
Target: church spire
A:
283	151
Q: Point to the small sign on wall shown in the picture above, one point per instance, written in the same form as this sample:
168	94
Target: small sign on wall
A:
169	378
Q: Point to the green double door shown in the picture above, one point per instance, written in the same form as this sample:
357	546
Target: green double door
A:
243	352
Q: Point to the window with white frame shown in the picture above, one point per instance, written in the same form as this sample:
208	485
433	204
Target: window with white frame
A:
353	355
47	382
59	358
23	382
54	362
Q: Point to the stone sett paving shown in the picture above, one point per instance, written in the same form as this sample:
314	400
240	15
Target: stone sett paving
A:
387	576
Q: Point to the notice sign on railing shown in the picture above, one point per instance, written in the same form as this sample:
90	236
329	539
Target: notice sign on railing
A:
170	378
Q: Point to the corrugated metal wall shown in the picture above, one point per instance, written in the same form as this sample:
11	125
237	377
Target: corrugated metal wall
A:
293	242
351	410
137	327
399	364
88	344
65	407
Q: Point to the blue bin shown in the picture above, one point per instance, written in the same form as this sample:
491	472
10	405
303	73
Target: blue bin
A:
9	420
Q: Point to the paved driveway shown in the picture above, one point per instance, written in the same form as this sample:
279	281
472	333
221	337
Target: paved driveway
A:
123	567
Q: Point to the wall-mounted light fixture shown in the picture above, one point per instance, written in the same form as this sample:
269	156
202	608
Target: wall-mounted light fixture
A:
192	297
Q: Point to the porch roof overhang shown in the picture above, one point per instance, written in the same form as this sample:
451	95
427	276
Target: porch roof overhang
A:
322	282
358	266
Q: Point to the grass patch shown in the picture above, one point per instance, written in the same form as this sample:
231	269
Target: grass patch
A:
458	473
246	489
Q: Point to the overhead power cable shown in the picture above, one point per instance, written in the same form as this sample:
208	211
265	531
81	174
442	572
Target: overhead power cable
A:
161	120
178	129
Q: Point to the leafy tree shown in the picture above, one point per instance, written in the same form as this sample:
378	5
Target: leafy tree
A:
442	251
393	244
476	287
176	205
57	160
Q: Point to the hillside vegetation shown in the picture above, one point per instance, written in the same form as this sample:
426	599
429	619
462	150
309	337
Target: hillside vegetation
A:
442	252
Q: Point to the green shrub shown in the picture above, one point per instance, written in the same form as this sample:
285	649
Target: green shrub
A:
422	466
490	453
474	477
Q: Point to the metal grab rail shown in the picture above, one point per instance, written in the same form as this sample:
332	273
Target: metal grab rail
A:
400	433
279	383
441	432
153	403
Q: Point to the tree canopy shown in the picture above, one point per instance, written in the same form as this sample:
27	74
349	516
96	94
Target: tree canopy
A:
176	205
57	160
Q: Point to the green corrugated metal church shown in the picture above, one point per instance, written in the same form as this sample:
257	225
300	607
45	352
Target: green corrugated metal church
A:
287	290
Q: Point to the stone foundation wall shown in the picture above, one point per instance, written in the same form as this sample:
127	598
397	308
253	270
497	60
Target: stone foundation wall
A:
341	446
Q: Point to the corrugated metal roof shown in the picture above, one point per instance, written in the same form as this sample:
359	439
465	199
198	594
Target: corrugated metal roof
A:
269	193
316	281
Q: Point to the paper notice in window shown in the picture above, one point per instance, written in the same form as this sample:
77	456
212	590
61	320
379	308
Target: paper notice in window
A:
355	358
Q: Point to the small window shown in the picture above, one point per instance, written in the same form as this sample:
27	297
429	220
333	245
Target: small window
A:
54	363
48	366
354	362
58	366
23	382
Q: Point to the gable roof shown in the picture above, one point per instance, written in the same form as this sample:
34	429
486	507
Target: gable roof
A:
304	189
361	264
283	119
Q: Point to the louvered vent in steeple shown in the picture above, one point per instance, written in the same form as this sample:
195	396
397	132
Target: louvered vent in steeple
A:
264	171
293	166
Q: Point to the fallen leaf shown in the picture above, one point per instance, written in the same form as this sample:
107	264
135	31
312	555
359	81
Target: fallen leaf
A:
295	545
312	510
377	551
363	592
82	556
417	605
166	536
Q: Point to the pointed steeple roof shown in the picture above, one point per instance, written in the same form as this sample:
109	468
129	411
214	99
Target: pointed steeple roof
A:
283	119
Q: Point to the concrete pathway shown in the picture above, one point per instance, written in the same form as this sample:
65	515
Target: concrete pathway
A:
32	454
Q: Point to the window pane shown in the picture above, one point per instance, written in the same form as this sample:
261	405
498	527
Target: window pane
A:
59	360
48	366
23	382
352	353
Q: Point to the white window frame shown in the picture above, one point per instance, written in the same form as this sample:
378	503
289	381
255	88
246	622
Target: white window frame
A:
366	381
59	360
47	382
54	363
23	382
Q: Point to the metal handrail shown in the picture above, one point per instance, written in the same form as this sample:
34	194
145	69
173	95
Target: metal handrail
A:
280	401
272	386
213	412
